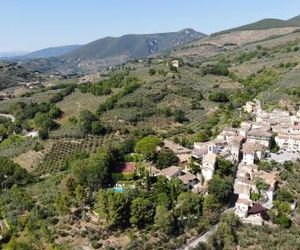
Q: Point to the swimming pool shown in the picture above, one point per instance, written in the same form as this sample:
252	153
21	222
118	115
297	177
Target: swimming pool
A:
119	189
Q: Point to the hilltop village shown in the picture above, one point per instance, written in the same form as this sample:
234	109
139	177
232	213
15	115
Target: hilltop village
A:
271	136
176	140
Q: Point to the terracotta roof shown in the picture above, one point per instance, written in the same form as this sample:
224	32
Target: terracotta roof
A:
237	140
154	170
256	208
218	142
199	152
259	133
243	180
187	178
170	171
270	178
126	167
283	136
250	148
229	129
176	148
288	137
201	145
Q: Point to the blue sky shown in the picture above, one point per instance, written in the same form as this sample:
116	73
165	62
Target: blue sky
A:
35	24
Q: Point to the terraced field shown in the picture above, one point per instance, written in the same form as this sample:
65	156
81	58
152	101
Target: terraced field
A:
38	97
61	150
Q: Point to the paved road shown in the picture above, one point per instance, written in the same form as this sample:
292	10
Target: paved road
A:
193	243
11	117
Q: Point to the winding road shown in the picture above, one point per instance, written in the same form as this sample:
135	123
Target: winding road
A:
11	117
193	242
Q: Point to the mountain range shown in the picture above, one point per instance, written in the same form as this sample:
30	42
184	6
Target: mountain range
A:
50	52
134	46
7	55
111	51
42	53
267	23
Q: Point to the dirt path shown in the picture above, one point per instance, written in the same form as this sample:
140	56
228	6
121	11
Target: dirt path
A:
193	242
11	117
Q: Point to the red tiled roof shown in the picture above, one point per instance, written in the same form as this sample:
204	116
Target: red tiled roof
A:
126	167
170	171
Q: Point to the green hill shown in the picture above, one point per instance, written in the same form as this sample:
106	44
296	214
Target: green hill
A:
13	73
295	19
268	23
133	46
50	52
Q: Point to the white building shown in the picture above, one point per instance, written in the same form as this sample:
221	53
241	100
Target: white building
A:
252	153
208	165
32	134
200	149
245	128
259	136
175	63
235	147
241	208
228	134
288	142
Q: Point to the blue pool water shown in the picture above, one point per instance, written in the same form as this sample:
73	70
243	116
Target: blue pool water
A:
119	189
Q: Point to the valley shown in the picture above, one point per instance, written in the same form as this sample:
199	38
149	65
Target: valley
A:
154	141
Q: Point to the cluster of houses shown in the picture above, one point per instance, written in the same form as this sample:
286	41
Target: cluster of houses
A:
285	126
244	147
191	181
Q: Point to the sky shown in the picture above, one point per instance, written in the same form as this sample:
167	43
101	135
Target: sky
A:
27	25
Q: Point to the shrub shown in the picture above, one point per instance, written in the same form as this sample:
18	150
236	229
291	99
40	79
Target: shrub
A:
166	158
152	72
220	68
147	146
283	221
218	96
179	116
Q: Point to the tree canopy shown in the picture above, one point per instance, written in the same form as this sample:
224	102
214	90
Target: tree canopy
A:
147	146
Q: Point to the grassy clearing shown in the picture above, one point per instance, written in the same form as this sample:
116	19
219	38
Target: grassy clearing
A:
73	104
29	159
38	97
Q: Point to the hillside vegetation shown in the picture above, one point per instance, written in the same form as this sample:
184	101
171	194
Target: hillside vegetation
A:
68	190
268	23
13	73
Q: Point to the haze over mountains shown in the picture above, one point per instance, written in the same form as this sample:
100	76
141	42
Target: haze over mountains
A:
111	51
134	46
42	53
6	55
50	52
106	51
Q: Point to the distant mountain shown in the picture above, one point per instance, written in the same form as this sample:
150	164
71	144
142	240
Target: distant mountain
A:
112	51
133	46
267	23
295	19
49	52
5	55
12	74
